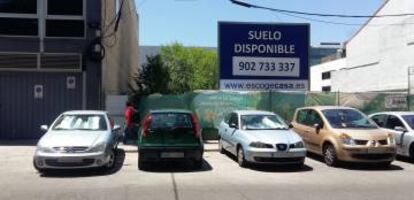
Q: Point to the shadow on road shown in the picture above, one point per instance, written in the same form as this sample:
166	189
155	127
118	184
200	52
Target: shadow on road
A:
18	143
405	159
176	166
273	167
78	173
358	166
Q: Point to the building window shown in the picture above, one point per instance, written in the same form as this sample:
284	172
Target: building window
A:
326	89
65	28
65	7
18	6
18	26
65	19
326	75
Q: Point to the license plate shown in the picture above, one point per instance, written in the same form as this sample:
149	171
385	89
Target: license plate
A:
68	160
172	155
377	150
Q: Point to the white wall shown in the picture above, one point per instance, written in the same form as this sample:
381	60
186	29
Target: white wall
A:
115	106
316	73
379	55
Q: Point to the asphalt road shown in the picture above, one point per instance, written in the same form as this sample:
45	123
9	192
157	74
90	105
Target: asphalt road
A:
220	178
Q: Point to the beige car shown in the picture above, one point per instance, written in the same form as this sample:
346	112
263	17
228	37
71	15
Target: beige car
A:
343	134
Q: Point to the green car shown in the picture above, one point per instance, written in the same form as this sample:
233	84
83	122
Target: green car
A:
170	135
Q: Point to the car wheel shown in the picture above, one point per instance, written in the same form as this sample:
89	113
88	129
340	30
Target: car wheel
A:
411	150
329	155
240	157
141	163
221	149
111	161
198	164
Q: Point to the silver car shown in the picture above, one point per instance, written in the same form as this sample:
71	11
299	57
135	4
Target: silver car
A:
260	137
401	125
77	139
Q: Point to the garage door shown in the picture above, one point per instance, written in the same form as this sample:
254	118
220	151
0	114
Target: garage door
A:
30	99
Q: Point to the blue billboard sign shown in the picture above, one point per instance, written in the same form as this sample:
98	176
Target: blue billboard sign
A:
263	57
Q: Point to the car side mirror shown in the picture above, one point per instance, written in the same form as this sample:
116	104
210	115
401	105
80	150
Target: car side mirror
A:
290	126
400	129
318	127
116	127
44	128
233	125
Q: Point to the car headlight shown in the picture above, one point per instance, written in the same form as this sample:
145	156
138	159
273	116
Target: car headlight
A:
391	139
299	145
260	145
100	147
346	139
44	149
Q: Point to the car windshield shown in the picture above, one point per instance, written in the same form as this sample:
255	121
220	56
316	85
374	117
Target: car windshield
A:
81	122
262	122
347	118
170	120
409	119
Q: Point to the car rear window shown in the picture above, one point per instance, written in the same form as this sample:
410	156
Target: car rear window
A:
170	120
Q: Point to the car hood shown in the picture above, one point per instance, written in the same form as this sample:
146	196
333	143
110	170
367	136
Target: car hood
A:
273	136
364	134
72	138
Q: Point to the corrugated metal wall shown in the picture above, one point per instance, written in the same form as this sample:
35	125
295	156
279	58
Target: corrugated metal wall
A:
21	113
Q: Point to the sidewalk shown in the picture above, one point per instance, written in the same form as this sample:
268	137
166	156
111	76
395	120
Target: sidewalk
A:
209	146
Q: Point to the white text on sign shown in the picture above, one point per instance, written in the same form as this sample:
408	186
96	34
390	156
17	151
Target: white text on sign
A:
266	66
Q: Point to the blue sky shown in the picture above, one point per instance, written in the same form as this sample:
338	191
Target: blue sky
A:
194	22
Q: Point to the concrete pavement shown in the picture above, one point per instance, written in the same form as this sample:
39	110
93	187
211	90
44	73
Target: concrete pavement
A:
220	178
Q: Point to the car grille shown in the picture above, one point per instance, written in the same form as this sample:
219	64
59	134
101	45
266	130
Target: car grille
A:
365	142
275	160
281	147
383	142
56	163
70	149
379	156
361	142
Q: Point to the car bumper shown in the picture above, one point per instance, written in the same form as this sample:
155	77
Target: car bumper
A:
170	154
367	155
70	161
271	156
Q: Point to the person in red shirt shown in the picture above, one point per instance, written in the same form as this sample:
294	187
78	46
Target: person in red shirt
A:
129	123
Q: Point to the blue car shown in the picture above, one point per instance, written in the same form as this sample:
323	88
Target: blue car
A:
260	137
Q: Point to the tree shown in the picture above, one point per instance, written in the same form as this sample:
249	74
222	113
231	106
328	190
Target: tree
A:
153	77
190	68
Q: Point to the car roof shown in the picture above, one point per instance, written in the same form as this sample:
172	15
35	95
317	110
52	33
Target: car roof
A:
85	112
394	113
326	107
253	112
171	111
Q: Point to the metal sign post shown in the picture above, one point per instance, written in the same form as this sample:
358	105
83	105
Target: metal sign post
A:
410	89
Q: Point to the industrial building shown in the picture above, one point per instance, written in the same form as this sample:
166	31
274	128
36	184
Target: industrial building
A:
378	56
58	55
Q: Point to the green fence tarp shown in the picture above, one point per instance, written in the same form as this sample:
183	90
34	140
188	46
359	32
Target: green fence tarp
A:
211	107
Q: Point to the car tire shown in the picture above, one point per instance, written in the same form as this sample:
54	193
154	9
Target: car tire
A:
112	160
411	151
221	149
330	156
240	157
198	164
141	164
